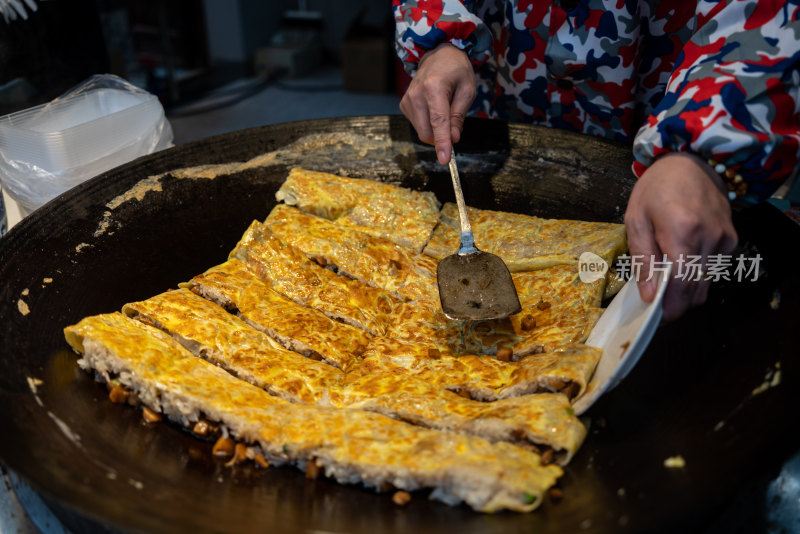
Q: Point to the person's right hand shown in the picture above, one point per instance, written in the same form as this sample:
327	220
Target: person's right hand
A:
678	208
439	97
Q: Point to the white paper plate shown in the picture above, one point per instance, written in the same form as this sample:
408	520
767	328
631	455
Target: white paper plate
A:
623	332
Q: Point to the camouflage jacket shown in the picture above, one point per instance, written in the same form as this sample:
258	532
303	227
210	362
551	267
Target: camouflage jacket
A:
717	78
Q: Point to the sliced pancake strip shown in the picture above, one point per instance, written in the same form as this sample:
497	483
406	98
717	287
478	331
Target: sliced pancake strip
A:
483	377
351	446
298	328
372	260
289	272
401	215
557	310
498	232
544	422
525	242
208	331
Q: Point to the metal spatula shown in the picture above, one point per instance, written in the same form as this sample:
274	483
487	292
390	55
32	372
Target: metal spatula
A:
474	284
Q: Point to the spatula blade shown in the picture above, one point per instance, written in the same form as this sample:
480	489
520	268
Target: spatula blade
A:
476	286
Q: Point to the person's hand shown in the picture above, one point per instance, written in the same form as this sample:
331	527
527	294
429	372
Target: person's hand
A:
439	97
678	207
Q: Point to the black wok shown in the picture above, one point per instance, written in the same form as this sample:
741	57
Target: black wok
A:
100	467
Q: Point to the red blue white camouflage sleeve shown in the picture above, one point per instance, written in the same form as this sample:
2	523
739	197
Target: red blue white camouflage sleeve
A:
734	96
421	25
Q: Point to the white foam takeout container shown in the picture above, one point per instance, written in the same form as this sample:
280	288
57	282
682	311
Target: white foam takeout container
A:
70	132
48	149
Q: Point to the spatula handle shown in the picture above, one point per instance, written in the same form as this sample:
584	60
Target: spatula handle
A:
467	239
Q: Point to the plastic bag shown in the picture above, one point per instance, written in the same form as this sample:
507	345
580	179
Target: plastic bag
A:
3	218
95	126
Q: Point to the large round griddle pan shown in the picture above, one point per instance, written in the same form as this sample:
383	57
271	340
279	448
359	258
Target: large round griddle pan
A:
100	467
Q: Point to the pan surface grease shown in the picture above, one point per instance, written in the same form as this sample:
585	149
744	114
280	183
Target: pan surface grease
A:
96	462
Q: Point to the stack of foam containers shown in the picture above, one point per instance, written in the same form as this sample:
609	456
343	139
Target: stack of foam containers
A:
49	149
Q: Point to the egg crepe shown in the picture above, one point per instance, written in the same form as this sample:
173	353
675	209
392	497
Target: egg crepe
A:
485	378
321	341
525	242
311	333
401	215
373	260
298	328
558	309
348	445
208	331
294	276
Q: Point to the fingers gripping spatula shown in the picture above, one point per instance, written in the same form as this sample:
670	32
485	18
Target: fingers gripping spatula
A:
474	284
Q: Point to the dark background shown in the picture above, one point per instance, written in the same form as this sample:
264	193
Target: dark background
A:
180	49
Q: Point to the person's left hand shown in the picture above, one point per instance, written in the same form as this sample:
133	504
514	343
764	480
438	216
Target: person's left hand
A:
679	208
